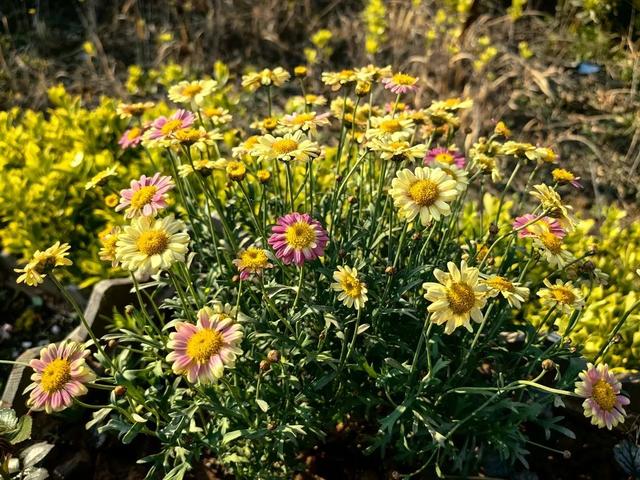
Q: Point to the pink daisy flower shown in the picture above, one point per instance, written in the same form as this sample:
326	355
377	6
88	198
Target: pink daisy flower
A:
146	196
544	225
445	157
60	375
601	391
400	83
297	238
131	138
164	127
202	351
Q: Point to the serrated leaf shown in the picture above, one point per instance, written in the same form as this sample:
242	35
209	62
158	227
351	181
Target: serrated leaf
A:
627	455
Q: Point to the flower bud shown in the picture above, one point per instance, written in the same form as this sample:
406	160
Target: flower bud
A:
300	71
264	366
548	364
273	356
390	270
119	390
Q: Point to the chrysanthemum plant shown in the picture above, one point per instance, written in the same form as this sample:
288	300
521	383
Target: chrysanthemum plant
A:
316	274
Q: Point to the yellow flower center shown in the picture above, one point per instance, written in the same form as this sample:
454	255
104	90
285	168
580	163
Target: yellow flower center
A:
563	295
551	242
403	79
300	235
191	90
134	133
111	200
424	192
170	126
562	175
189	135
390	126
203	344
444	157
284	145
398	145
500	283
152	242
270	123
55	375
142	197
461	298
351	286
213	111
254	258
604	395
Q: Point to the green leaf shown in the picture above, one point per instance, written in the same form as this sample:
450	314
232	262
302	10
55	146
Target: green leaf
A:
231	436
22	431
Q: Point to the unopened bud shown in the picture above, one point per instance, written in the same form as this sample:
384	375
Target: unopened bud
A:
548	364
390	270
416	236
264	366
273	356
352	200
119	390
112	343
493	229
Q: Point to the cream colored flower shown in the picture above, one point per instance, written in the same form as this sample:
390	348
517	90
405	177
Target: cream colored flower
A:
564	296
457	298
150	245
397	149
513	292
552	203
291	146
353	291
277	77
192	92
553	248
381	127
426	192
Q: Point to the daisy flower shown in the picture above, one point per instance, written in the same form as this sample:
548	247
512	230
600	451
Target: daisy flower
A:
192	92
561	175
444	156
146	196
252	261
457	298
131	138
162	128
488	166
291	146
128	110
513	292
396	149
353	291
400	128
60	375
197	138
150	245
101	177
460	176
42	262
297	238
542	155
263	175
245	148
563	295
553	249
552	202
426	192
277	77
236	171
336	80
545	224
603	402
502	130
451	104
372	73
107	252
400	83
203	166
201	351
307	122
217	115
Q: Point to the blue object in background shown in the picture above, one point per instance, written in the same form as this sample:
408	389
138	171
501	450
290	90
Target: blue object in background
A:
587	68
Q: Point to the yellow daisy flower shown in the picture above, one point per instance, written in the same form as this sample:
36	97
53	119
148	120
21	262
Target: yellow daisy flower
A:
150	245
457	298
42	262
563	295
513	292
192	92
552	202
353	291
401	128
426	192
291	146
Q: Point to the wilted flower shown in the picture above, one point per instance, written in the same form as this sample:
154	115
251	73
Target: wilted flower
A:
551	202
202	351
513	292
603	402
42	262
298	238
60	375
